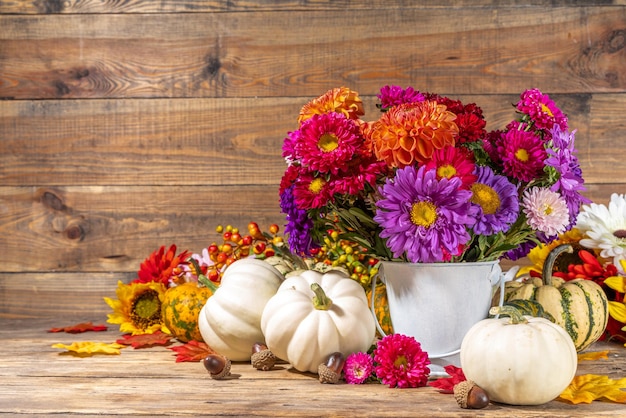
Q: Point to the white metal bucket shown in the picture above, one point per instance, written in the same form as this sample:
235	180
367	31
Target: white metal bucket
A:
437	303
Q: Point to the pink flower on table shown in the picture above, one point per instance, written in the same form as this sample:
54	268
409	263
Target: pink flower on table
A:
358	368
401	362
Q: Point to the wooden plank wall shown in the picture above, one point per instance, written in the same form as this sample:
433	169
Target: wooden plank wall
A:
127	125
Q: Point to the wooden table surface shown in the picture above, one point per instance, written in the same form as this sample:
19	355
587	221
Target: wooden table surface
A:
39	380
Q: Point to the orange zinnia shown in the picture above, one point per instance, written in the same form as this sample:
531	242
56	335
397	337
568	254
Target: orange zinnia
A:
340	100
411	132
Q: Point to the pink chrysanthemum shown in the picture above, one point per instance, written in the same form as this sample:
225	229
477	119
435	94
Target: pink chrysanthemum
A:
311	192
401	362
523	155
327	142
541	110
452	162
359	177
395	95
358	368
546	211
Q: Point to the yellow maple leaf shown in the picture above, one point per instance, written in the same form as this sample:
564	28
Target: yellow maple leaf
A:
90	348
591	387
594	355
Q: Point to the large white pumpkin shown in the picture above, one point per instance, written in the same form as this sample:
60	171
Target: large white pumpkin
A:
230	321
298	331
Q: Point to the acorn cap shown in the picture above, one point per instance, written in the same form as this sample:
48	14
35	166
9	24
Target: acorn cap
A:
461	392
327	375
263	360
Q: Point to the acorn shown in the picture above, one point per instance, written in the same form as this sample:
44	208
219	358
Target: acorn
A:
262	358
470	396
330	372
218	366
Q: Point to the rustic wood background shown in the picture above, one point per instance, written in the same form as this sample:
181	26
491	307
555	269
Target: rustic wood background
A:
127	125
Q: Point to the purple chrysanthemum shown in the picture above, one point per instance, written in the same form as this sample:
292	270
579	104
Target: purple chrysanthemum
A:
541	110
422	216
562	157
523	155
395	95
401	362
299	226
358	368
494	202
327	142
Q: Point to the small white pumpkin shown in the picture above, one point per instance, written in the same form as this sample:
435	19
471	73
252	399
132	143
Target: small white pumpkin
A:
230	321
314	315
521	360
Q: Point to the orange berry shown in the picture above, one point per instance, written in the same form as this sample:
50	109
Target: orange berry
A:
274	228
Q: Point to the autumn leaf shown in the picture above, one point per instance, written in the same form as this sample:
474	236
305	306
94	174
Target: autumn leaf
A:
192	351
145	340
446	384
591	387
90	348
594	355
78	328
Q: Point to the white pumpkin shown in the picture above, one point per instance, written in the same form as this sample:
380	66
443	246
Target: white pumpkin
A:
298	331
230	321
519	360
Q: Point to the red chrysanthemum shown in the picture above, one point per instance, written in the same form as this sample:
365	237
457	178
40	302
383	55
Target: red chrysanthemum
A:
162	267
452	162
401	362
311	191
590	269
523	155
469	118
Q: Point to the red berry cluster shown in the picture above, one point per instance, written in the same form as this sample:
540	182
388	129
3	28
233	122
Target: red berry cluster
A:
235	246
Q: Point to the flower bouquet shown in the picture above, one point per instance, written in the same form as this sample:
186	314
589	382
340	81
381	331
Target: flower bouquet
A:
426	182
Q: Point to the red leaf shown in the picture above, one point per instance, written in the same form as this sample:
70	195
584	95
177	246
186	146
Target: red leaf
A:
145	340
446	384
78	328
192	351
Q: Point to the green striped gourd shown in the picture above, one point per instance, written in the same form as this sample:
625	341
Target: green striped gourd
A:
580	306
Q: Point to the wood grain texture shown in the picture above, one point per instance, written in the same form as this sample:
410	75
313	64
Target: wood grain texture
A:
295	53
148	381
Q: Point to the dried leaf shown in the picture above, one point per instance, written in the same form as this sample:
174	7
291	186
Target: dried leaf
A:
192	351
90	348
78	328
145	340
446	384
591	387
594	355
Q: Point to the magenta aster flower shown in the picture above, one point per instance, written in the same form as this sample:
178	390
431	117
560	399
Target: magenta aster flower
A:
423	216
326	142
454	162
523	155
494	202
545	210
357	179
311	191
395	95
401	362
358	368
541	110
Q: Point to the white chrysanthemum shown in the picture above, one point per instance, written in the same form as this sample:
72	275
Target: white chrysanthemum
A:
546	211
605	227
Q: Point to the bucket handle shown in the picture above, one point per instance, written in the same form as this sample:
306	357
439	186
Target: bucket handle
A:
502	279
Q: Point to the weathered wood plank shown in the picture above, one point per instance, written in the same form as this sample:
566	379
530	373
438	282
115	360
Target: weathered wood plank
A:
227	141
200	6
149	382
114	229
294	53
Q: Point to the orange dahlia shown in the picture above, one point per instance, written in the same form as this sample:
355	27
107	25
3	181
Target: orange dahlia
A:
411	132
340	100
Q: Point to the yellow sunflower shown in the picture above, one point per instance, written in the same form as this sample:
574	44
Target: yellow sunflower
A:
138	307
538	255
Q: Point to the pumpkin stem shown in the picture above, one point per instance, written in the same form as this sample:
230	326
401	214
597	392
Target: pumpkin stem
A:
320	300
546	273
202	279
510	311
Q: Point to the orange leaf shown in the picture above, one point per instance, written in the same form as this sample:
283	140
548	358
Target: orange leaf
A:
192	351
145	340
594	355
591	387
78	328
